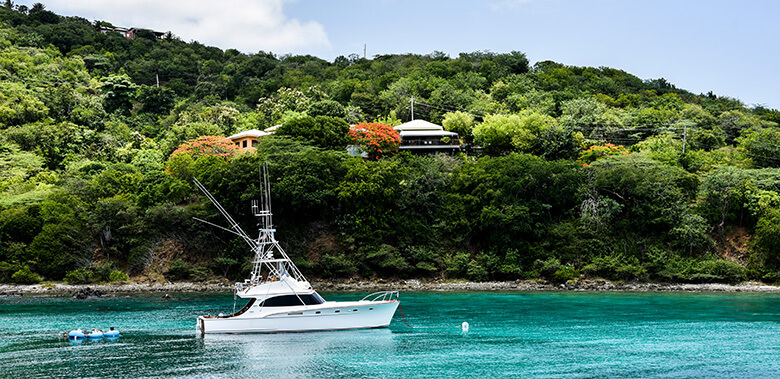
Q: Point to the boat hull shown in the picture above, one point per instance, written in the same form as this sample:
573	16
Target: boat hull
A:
326	316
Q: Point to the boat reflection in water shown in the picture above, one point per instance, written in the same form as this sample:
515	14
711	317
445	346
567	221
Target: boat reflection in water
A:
309	355
280	297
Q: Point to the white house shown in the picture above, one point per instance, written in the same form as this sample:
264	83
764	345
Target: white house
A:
422	137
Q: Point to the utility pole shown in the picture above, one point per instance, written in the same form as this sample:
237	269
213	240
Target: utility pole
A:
158	79
364	51
412	107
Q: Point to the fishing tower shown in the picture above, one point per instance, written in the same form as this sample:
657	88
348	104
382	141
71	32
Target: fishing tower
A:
270	263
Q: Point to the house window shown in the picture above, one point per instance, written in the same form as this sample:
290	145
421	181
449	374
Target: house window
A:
245	143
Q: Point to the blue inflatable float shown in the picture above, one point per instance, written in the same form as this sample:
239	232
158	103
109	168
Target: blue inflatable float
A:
113	333
76	335
93	334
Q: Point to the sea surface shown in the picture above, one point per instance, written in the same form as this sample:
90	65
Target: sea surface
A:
511	334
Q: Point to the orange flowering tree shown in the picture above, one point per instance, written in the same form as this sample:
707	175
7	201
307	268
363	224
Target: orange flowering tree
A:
208	145
596	152
182	159
375	139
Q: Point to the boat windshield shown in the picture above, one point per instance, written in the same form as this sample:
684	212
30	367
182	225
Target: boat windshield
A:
292	300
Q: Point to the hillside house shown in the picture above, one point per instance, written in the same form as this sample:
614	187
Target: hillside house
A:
247	140
129	33
422	137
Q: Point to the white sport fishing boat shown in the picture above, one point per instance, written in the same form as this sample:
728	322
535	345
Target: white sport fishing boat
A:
280	297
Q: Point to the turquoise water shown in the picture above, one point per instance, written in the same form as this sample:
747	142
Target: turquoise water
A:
512	334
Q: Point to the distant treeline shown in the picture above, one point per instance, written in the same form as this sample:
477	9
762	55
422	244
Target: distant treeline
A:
579	171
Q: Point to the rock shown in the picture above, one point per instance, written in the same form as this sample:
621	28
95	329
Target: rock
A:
85	293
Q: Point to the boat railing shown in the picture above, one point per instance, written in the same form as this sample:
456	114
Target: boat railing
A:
381	296
241	286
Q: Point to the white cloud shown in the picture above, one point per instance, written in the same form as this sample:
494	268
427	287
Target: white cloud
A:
246	25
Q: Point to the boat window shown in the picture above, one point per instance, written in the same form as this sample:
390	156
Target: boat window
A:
291	300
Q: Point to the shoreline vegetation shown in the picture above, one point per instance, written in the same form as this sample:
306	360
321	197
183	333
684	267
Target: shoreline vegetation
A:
564	172
598	285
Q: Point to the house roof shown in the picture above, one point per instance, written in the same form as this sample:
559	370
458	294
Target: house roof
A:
429	133
249	133
272	129
418	125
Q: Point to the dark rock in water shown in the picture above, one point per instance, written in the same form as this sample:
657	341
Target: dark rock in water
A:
166	297
87	292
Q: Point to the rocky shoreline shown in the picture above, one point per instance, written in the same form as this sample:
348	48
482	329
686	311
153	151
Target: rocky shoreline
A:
100	290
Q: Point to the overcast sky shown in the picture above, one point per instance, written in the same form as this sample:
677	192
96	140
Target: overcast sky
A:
728	47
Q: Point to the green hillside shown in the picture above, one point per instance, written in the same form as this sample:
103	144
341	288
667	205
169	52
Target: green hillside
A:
581	171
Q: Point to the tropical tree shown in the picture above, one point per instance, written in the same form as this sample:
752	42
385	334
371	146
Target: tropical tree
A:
323	131
376	140
458	122
761	146
118	94
182	159
500	134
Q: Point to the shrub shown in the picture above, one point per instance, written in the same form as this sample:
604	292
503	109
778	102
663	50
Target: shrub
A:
615	268
334	266
7	270
200	274
553	270
719	270
25	276
103	271
711	270
225	266
476	271
80	276
771	277
387	259
547	268
565	274
456	265
510	267
179	270
327	108
596	152
118	277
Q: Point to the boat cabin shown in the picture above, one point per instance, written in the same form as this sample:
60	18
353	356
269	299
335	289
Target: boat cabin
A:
292	300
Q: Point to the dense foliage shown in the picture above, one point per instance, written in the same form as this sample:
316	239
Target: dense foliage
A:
571	171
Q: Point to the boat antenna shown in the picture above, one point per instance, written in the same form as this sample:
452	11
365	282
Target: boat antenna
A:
262	208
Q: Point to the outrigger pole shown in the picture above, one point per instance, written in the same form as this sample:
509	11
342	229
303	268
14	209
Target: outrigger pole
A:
233	224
